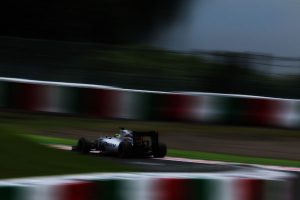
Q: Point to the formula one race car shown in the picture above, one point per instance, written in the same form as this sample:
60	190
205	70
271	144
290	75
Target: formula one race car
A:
125	144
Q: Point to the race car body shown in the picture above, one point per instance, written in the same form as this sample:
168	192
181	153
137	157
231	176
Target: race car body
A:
125	144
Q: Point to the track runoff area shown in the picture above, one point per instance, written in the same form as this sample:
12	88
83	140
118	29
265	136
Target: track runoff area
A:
176	164
166	178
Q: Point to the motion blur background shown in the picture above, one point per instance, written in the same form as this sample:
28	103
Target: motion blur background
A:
185	52
167	45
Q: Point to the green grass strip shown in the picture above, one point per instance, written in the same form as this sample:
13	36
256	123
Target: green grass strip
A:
188	154
23	157
231	158
51	140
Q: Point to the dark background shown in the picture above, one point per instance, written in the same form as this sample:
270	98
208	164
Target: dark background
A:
104	21
102	42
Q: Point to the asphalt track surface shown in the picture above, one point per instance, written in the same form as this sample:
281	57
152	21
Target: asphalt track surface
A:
160	165
171	164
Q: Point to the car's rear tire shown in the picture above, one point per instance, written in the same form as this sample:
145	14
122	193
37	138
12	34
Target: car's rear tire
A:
125	150
161	151
83	146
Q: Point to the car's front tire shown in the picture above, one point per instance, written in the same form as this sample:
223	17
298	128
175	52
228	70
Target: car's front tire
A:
83	146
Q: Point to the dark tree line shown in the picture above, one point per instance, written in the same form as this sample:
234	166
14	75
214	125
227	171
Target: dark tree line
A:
105	21
146	69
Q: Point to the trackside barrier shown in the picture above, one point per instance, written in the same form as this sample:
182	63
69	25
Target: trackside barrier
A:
147	186
117	103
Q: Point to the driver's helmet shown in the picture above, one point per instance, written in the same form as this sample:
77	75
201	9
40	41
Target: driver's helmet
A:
125	133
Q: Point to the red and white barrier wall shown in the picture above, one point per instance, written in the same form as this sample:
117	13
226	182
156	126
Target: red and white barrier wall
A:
147	186
116	103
